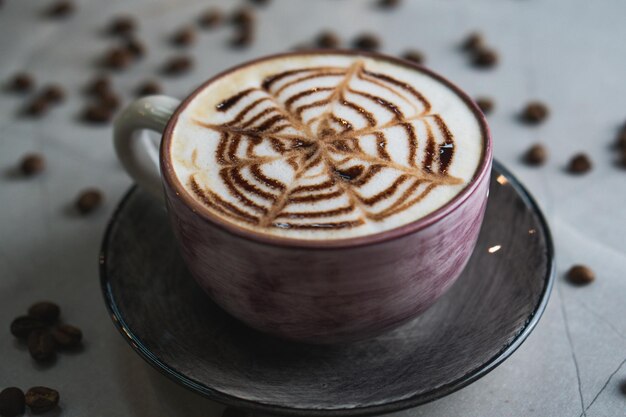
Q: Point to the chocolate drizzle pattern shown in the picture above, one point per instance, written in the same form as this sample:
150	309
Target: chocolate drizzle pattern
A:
323	126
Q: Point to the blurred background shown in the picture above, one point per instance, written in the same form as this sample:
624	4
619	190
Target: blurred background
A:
568	55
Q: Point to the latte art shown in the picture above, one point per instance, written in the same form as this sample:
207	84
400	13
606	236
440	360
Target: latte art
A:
325	146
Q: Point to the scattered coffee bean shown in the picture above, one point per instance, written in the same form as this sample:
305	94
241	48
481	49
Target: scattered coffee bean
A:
620	142
242	37
367	42
45	311
61	9
388	4
301	47
37	107
41	399
210	18
97	113
414	55
12	402
41	345
235	412
535	112
485	104
109	100
67	336
184	37
23	326
327	39
135	47
122	25
473	42
21	82
89	200
622	158
149	87
579	164
580	274
117	58
53	93
99	85
178	65
32	164
243	17
485	58
536	155
260	2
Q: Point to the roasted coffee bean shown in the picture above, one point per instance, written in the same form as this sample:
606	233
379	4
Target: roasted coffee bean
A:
178	65
414	55
122	25
12	402
388	4
235	412
260	2
118	58
485	104
99	85
149	87
109	100
53	93
41	345
135	47
485	58
97	113
327	39
242	38
37	107
21	82
536	155
622	158
535	112
579	164
45	311
620	142
367	42
32	164
60	9
243	17
67	336
210	18
23	326
473	42
41	399
184	37
580	275
89	200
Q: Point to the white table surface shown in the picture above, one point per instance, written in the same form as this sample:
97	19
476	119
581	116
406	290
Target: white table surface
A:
569	53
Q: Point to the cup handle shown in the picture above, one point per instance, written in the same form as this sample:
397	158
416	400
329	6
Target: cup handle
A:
138	154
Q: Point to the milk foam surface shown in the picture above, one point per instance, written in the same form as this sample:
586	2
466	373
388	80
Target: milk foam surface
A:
325	146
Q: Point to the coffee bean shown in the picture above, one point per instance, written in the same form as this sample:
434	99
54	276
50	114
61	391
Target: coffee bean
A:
260	2
367	42
117	58
235	412
580	275
485	58
242	38
243	17
473	42
148	88
388	4
178	65
414	55
97	113
109	100
622	158
122	25
41	345
37	107
21	82
579	164
32	164
485	104
536	155
41	399
23	326
135	47
12	402
301	47
61	9
45	311
53	93
535	112
210	18
99	85
620	142
67	336
89	200
327	39
184	37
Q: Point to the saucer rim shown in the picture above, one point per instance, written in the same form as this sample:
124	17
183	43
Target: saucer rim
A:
383	408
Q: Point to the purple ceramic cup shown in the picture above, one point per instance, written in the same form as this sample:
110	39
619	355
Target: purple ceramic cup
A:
308	290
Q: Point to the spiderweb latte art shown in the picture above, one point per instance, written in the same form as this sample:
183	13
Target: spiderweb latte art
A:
322	148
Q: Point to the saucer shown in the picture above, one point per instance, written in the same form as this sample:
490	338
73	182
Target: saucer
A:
487	314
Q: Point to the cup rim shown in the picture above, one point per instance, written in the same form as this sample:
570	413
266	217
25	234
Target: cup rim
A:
170	179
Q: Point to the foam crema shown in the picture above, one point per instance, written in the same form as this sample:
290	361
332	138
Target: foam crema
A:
330	146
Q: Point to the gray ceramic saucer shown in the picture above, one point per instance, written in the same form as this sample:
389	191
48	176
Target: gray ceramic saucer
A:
484	317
